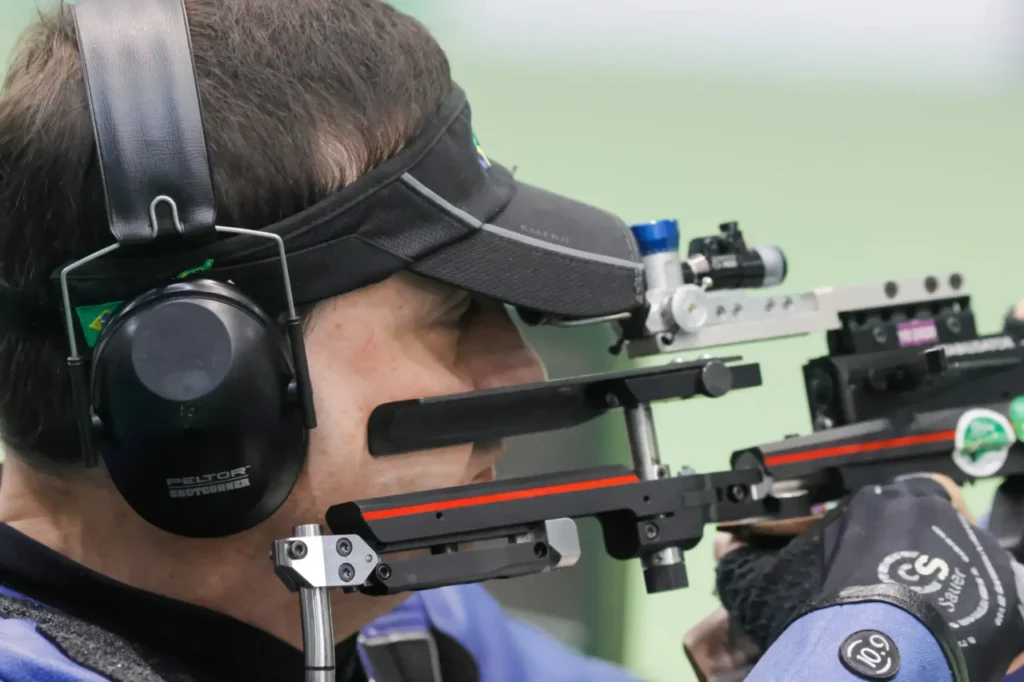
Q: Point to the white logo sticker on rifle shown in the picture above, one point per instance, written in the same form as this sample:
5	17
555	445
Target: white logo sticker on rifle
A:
982	442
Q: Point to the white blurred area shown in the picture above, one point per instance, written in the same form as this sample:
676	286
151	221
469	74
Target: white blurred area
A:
957	45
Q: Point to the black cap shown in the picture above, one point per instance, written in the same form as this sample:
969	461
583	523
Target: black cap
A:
547	253
440	208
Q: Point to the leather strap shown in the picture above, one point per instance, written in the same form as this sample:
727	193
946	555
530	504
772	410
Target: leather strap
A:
902	597
147	117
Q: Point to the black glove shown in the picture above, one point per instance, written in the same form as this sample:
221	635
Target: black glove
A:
882	541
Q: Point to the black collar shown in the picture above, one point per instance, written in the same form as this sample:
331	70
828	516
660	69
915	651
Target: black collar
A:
204	644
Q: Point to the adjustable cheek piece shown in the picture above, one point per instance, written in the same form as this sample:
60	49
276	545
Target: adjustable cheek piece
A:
200	410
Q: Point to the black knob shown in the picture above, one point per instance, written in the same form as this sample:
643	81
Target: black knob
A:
715	379
664	578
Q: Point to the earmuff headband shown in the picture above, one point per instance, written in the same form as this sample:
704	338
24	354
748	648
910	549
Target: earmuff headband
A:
147	118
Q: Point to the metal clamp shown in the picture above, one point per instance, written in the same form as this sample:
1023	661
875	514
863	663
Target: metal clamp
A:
721	318
310	564
327	561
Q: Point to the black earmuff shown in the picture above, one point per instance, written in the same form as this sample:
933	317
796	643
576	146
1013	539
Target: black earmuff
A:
197	409
197	402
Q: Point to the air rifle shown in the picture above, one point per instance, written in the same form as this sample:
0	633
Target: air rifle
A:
909	389
510	528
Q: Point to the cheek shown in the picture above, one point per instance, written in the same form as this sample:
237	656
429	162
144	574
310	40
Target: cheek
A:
414	472
351	377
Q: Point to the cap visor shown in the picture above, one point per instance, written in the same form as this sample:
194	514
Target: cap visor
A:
547	253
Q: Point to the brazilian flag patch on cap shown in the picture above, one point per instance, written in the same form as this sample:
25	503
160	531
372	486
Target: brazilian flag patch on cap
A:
484	161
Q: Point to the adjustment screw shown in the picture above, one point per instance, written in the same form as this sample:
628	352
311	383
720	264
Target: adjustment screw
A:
651	531
384	572
737	493
369	558
878	333
297	550
344	547
346	572
953	325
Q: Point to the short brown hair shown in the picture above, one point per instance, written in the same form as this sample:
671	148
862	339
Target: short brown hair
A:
300	98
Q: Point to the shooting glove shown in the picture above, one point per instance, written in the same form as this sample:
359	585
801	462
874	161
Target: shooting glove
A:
882	541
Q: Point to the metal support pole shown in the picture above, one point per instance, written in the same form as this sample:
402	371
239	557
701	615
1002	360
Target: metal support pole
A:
664	569
317	623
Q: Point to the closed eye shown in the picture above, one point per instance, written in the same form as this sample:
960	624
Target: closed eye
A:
464	313
456	311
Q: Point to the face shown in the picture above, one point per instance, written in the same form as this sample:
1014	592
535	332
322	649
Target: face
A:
404	338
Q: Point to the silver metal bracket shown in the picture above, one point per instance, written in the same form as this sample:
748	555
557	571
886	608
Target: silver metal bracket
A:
735	316
313	564
344	561
563	538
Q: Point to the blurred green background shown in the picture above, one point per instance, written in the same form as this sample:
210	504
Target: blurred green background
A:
862	153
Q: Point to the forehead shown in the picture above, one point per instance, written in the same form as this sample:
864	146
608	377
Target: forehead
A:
423	286
424	298
404	297
427	291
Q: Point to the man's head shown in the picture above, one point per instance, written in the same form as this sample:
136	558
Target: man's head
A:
406	337
299	99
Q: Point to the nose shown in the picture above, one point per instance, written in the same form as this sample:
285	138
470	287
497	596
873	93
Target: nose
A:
497	355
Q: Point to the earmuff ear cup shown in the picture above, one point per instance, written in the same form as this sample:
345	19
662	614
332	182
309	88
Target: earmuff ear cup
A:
200	430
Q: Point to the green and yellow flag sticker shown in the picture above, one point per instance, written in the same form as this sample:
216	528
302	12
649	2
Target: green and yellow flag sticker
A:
94	318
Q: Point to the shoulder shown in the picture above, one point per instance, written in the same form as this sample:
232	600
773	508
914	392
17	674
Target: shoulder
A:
500	642
26	655
42	645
